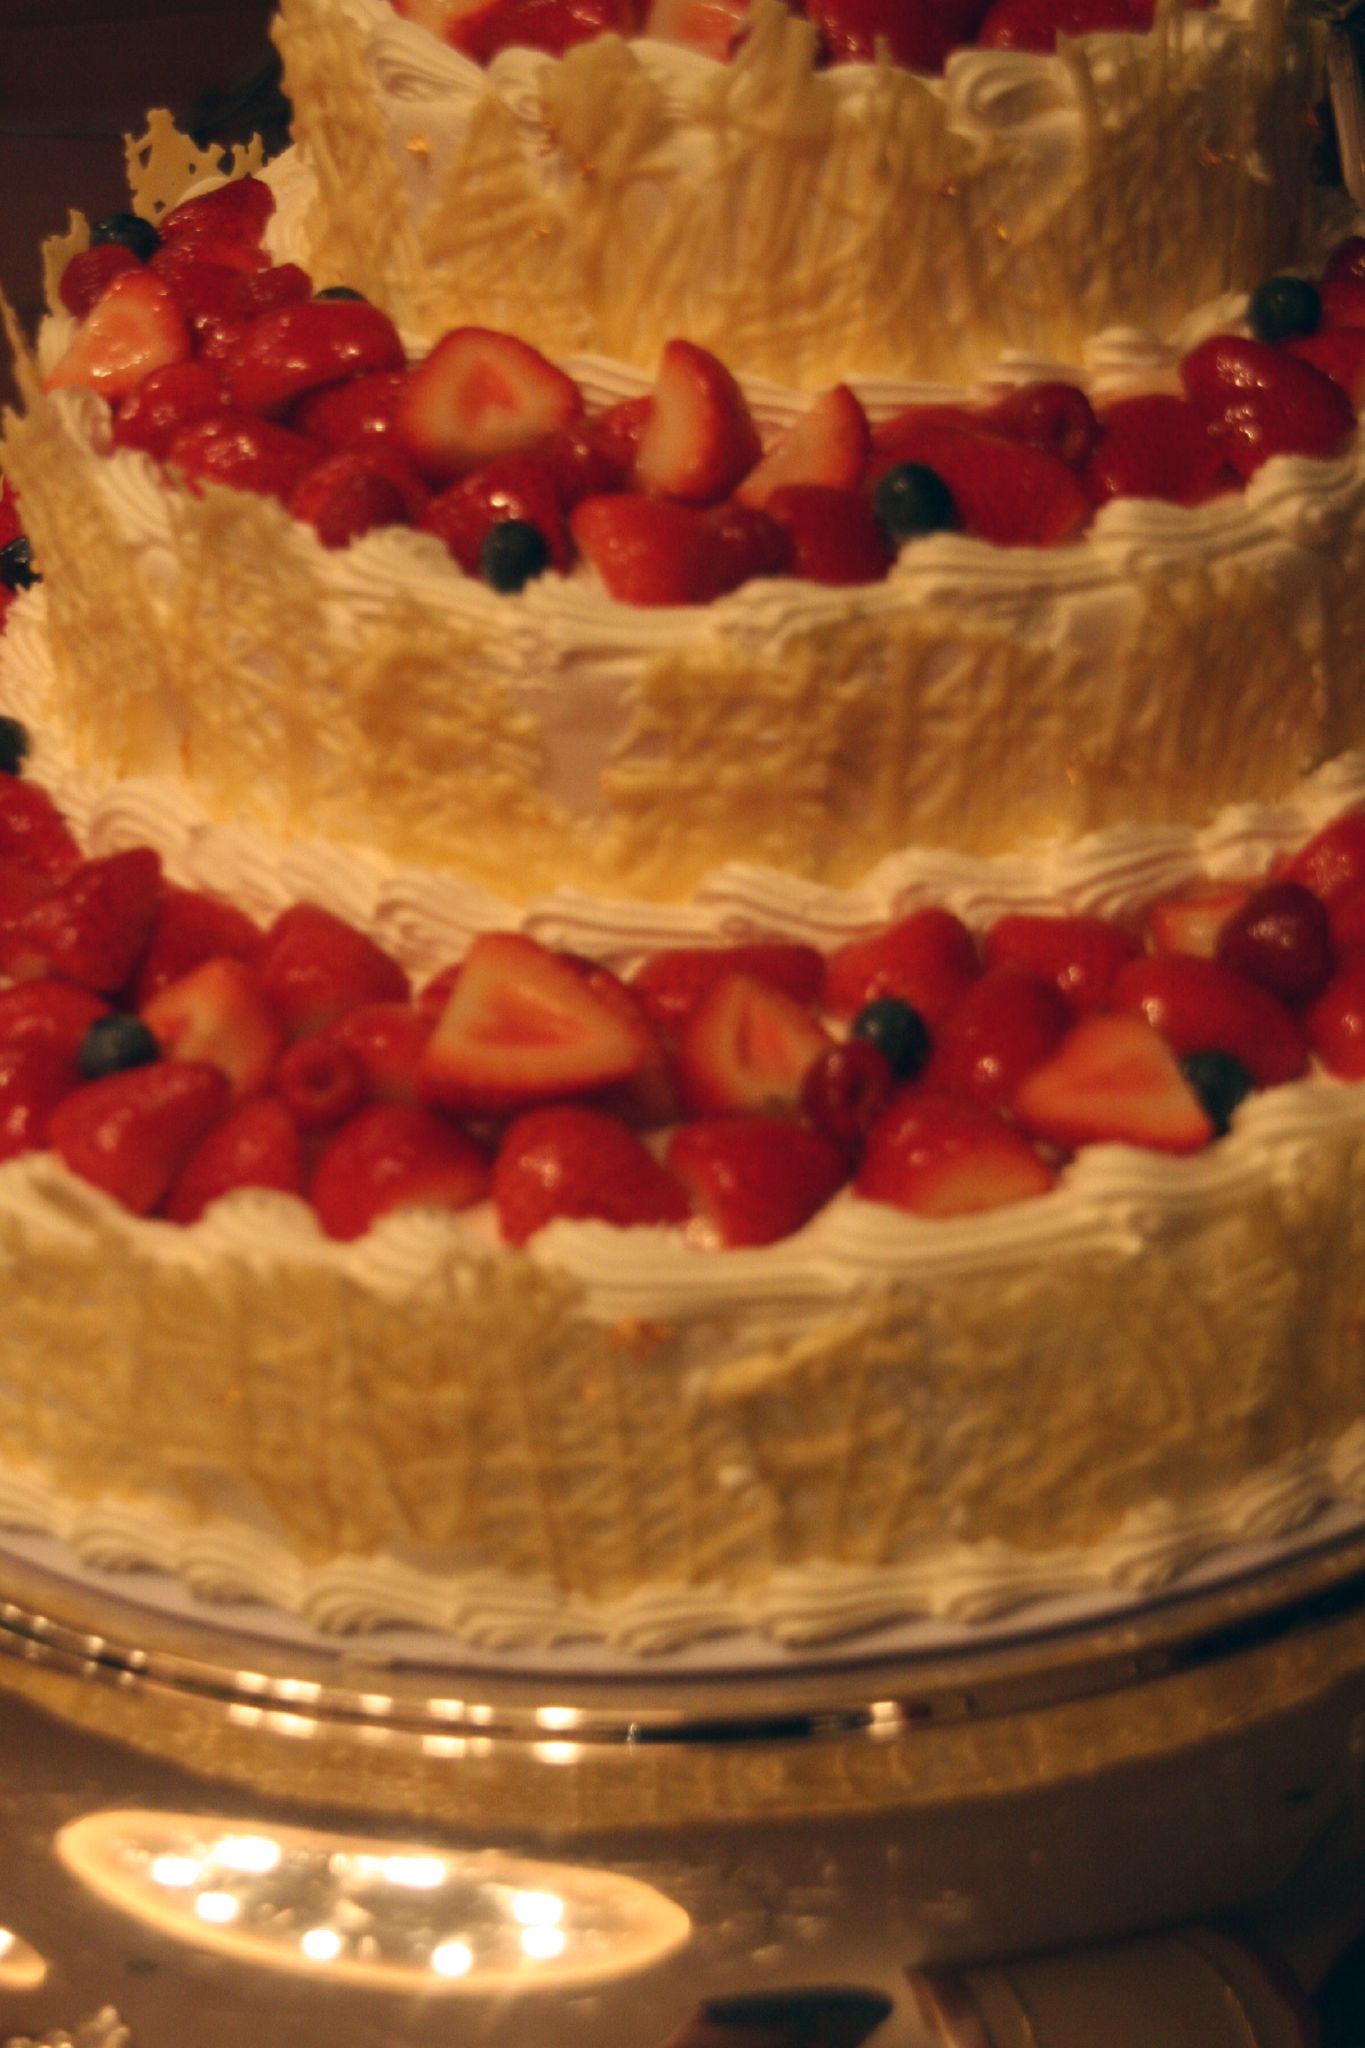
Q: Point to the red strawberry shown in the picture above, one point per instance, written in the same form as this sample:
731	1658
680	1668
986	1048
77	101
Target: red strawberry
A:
648	1100
1202	1006
233	212
217	1015
1113	1080
1335	1023
754	1179
283	284
1005	491
1036	24
90	273
356	414
1057	417
11	519
1191	921
247	453
937	1156
52	1014
523	1027
189	929
1338	354
388	1039
1281	939
131	1133
314	967
320	1083
354	490
1332	861
651	551
591	456
845	1091
1261	401
480	394
135	328
700	439
281	355
392	1156
169	399
20	888
833	536
672	983
573	1162
927	960
828	445
436	993
746	1047
1155	446
713	27
32	830
1347	261
916	33
210	295
93	927
255	1146
1079	955
34	1077
1343	303
1002	1027
1346	920
551	25
510	487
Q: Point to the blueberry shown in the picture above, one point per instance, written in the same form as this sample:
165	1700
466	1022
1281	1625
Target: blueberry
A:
898	1032
1283	308
339	291
113	1044
16	564
129	229
911	499
13	746
1220	1082
513	552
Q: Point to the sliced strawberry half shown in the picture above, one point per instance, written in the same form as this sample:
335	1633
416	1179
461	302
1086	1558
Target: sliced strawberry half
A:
389	1040
1005	490
234	212
1002	1027
755	1179
34	1077
393	1156
281	355
747	1047
1113	1079
314	966
1190	921
569	1161
131	1133
510	487
828	445
92	928
358	413
1078	956
653	551
1339	354
1156	445
833	536
241	451
1335	1022
134	329
355	490
927	960
218	1014
33	831
1262	401
700	438
192	927
55	1014
523	1027
937	1156
90	273
672	983
1331	862
478	395
1202	1006
172	397
712	27
256	1145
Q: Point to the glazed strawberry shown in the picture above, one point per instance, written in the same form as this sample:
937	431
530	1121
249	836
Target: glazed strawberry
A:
1190	921
672	983
591	456
11	519
1346	921
574	1162
132	1132
1343	304
917	34
747	1046
1079	956
712	27
314	967
246	453
283	284
1004	490
1053	416
392	1156
281	355
478	395
550	25
1113	1079
135	329
388	1039
1281	939
828	444
700	438
33	831
90	273
236	212
358	413
927	960
1332	861
752	543
209	295
845	1090
1335	1023
20	888
1346	262
355	490
937	1156
833	536
1002	1027
1202	1006
256	1145
189	929
170	398
523	1027
1155	446
218	1015
53	1014
1036	24
510	487
754	1179
320	1083
92	928
651	551
1261	401
1338	354
34	1077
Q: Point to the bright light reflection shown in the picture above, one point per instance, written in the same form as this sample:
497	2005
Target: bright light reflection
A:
418	1873
543	1944
21	1966
181	1873
452	1959
537	1909
253	1855
218	1908
321	1944
6	1941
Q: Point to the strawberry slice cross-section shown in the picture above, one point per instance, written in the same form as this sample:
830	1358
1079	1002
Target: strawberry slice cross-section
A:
478	395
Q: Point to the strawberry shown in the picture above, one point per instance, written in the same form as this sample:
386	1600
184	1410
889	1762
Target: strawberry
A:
1346	920
131	1133
354	490
1036	24
1191	921
833	536
927	960
388	1039
1002	1027
592	456
255	1146
1343	304
1079	955
1338	354
1331	862
170	398
320	1083
190	928
672	983
1113	1080
246	453
754	1179
1155	446
509	487
648	1099
1056	417
1260	401
217	1015
700	439
283	284
209	295
1281	939
90	273
392	1156
522	1027
34	1077
1335	1022
314	967
845	1090
746	1047
1005	491
236	212
1202	1006
828	445
1346	262
356	414
550	25
436	993
712	27
32	830
937	1156
92	928
281	355
11	519
20	887
53	1014
916	33
480	394
575	1162
652	551
135	328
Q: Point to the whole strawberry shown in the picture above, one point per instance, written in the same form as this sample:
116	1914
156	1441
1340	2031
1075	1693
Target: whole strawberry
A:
573	1162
